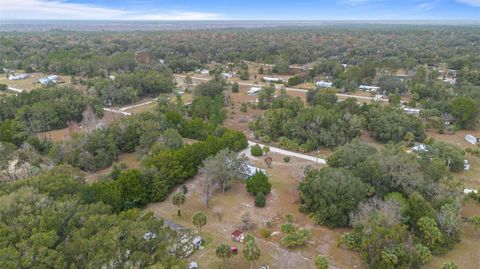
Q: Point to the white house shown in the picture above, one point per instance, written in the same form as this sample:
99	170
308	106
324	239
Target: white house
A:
369	88
254	90
227	75
323	84
251	170
420	148
19	76
271	79
409	110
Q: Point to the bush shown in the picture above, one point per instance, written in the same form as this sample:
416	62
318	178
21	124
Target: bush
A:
321	262
266	233
287	228
260	200
256	151
235	87
286	159
243	107
293	81
258	183
184	189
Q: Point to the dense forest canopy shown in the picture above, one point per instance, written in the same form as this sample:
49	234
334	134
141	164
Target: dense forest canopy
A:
89	53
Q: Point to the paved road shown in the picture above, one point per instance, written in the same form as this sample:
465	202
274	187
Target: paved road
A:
294	89
291	153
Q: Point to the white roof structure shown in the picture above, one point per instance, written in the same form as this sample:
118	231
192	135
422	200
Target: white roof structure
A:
369	88
19	76
471	139
420	148
227	75
467	191
254	90
251	170
324	84
271	79
409	110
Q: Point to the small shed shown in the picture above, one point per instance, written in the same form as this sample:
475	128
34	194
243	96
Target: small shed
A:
234	250
238	236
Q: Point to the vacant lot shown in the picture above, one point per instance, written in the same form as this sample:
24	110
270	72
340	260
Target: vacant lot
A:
226	209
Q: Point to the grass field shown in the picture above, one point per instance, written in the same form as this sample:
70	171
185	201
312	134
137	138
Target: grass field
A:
30	83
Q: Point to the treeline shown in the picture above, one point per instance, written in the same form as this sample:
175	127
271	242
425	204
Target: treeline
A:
45	223
90	53
209	101
163	170
403	208
42	110
297	127
156	137
129	88
329	122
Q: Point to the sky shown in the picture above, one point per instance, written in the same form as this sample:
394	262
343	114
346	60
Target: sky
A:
241	9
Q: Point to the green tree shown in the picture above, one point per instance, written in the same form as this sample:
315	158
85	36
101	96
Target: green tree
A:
256	150
465	111
250	251
235	87
224	252
321	262
258	183
296	238
178	199
429	232
331	194
199	219
224	167
260	200
351	154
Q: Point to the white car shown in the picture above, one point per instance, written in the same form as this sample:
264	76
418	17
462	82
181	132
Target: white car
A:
466	165
193	265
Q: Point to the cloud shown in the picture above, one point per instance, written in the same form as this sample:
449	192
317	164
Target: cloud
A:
425	6
58	9
474	3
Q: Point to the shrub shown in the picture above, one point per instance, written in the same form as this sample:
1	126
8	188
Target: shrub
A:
184	189
260	200
256	150
235	87
286	159
321	262
243	107
287	228
258	183
266	233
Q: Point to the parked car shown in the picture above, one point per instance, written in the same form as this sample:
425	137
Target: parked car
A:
193	265
466	165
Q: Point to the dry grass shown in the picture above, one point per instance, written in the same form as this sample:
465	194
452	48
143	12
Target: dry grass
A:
283	199
466	253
